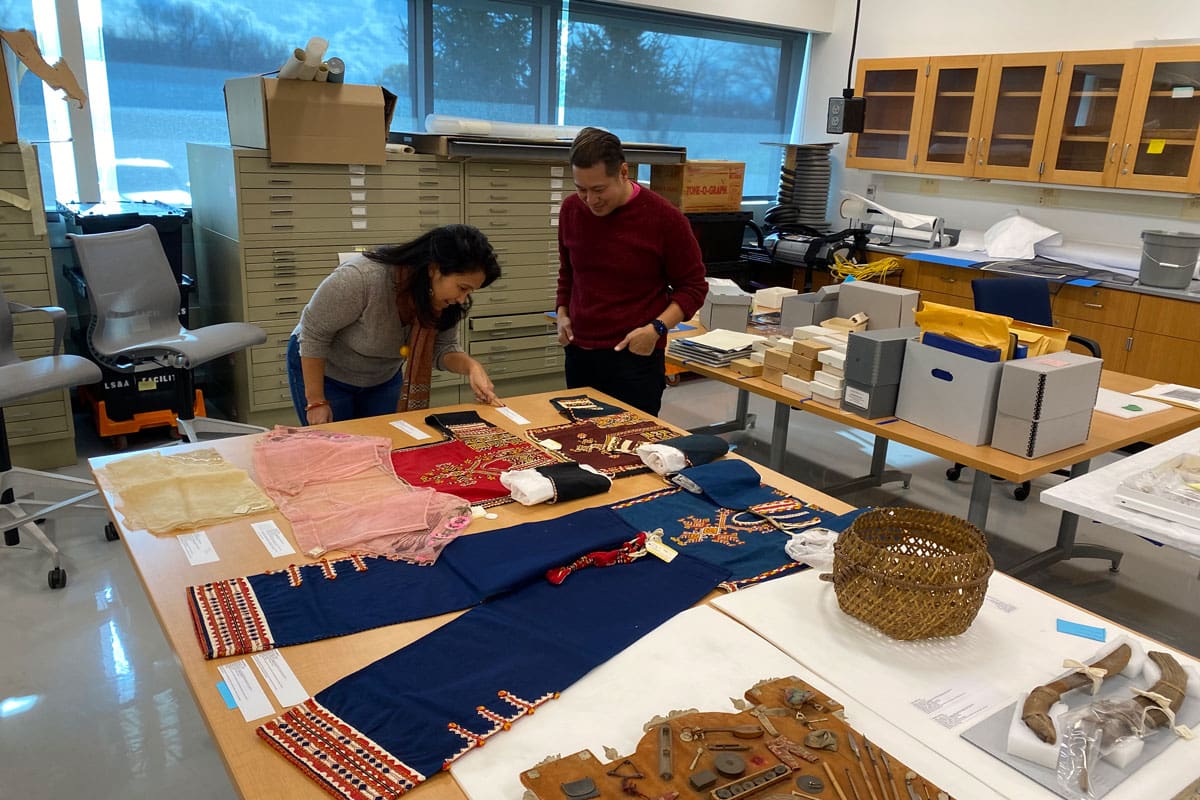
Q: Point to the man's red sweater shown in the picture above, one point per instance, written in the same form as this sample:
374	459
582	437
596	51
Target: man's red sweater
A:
619	271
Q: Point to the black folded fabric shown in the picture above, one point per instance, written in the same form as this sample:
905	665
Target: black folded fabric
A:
571	481
579	407
698	448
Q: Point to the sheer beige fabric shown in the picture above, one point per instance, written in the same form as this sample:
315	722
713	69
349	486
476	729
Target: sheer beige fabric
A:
182	491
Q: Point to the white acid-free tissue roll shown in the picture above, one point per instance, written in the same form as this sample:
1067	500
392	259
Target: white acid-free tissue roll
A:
314	51
322	73
294	66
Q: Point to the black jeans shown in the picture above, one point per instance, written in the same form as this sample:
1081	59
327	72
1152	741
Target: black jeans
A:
634	380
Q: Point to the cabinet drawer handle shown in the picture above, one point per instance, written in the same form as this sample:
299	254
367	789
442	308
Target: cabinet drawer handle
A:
970	146
948	279
282	197
284	284
283	227
428	212
503	324
287	299
1093	305
1125	159
428	198
427	183
281	181
497	197
283	252
497	210
282	211
1112	152
502	170
286	313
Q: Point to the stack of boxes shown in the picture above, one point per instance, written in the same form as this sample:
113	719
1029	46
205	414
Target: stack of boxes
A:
1045	403
874	361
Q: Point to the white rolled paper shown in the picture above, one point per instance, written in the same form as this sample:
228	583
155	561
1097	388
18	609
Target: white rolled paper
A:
293	67
315	51
896	232
322	73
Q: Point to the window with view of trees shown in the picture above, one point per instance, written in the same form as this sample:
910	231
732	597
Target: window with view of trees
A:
719	89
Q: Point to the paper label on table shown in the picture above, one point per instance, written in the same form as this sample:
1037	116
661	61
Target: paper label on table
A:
656	548
273	538
1182	92
279	677
1155	147
957	705
249	695
197	548
408	428
1126	406
514	416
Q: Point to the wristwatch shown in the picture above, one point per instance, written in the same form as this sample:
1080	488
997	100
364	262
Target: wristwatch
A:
660	327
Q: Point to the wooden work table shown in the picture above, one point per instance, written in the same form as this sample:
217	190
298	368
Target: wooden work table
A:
256	770
1108	433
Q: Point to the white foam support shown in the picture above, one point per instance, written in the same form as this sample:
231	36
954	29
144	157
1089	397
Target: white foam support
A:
803	332
832	381
834	358
797	385
1024	743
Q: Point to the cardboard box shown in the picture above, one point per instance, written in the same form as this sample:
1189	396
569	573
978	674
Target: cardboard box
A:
21	45
1049	386
800	386
885	306
697	185
805	310
747	367
951	394
306	122
1033	438
726	307
809	348
871	402
874	358
777	359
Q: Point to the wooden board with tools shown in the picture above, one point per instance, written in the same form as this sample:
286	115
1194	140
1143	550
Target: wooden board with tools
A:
789	741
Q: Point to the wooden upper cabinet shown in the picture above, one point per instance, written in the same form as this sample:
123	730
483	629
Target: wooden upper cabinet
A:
894	89
1091	111
1161	150
1017	105
949	127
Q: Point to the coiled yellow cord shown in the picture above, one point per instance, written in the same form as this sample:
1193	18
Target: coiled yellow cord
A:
843	268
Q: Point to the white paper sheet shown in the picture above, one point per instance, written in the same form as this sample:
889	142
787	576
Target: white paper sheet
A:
280	678
1173	393
411	430
924	222
272	538
1126	406
247	692
514	416
197	548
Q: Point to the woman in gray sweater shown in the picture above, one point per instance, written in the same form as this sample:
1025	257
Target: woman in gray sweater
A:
377	325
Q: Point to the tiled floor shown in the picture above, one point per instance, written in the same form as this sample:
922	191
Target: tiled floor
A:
92	703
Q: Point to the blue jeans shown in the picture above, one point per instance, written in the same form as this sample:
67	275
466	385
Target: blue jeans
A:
346	401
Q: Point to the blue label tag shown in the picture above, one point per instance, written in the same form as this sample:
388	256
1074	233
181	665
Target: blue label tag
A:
226	694
1079	629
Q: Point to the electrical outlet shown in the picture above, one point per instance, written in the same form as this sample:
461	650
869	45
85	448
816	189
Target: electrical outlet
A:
1191	208
870	193
929	186
1048	197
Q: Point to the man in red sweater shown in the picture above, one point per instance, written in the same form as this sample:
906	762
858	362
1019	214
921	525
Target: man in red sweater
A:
630	270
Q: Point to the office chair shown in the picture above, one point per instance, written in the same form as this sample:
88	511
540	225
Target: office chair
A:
135	325
1026	299
22	509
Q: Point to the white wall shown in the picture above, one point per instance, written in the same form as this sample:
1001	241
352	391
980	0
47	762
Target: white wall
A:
805	15
945	27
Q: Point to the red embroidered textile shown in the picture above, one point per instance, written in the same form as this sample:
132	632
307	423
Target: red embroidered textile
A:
608	443
469	464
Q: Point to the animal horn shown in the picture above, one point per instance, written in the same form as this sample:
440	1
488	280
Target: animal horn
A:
1036	711
1172	684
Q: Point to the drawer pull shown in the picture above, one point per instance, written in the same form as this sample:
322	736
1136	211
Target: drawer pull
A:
428	198
283	252
282	197
283	227
497	197
428	212
947	279
427	170
287	299
502	170
284	284
497	210
1093	305
286	313
427	183
282	211
503	324
280	181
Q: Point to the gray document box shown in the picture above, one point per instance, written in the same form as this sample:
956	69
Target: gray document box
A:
875	358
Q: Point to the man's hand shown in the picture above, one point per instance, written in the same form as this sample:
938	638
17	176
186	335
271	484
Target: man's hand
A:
639	341
565	334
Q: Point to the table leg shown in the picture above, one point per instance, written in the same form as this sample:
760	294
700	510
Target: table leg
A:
779	436
742	418
1066	547
878	476
981	497
742	411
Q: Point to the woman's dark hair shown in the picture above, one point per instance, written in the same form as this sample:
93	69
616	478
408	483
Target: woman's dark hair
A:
453	249
597	146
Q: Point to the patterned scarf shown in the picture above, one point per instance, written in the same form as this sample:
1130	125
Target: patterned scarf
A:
418	369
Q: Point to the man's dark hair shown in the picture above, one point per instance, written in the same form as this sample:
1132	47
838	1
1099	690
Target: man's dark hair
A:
453	249
597	146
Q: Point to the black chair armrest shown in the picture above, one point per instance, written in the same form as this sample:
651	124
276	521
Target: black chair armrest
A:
1091	345
57	315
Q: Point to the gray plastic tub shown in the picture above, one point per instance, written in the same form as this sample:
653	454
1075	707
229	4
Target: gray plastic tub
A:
1168	259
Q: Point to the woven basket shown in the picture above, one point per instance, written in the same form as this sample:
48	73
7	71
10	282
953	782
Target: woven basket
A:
911	573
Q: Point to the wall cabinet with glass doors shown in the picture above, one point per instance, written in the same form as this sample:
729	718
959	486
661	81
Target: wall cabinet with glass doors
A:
1121	118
